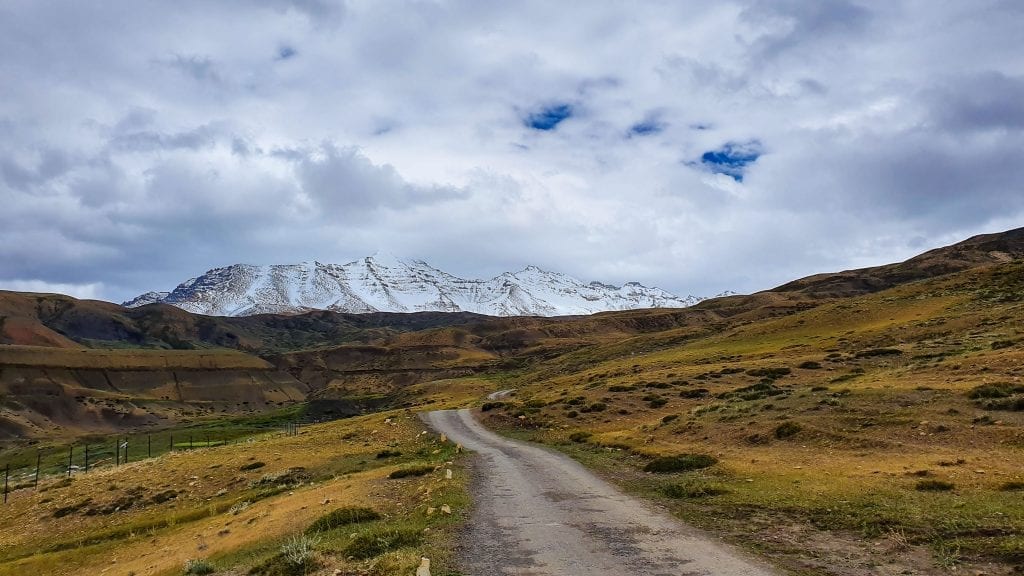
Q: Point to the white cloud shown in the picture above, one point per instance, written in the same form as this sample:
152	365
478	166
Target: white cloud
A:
85	291
136	156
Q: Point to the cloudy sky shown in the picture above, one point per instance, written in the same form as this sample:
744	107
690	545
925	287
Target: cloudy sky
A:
695	146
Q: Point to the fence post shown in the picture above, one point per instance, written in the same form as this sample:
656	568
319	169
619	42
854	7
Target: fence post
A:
7	472
71	452
189	441
86	458
125	449
39	457
170	448
149	446
117	451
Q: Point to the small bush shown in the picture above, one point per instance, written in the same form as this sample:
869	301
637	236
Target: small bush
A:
934	486
1012	486
1000	344
289	477
681	463
874	352
810	365
296	558
342	517
579	436
388	454
1009	404
759	391
618	388
488	406
769	373
198	567
669	418
572	414
413	471
62	512
595	407
695	393
695	489
995	390
787	429
161	497
299	550
373	543
657	402
251	466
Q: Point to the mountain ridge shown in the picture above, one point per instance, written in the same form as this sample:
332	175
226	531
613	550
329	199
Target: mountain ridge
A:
389	284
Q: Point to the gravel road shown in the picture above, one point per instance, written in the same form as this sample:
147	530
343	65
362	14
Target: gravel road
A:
539	513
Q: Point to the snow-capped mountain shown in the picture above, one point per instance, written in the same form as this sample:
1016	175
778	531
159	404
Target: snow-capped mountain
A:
387	284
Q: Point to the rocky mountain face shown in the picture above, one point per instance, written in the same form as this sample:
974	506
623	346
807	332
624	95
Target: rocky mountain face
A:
387	284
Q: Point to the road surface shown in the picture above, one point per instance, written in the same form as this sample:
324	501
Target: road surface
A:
539	513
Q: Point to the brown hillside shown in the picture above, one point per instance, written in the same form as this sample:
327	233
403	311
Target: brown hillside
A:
982	250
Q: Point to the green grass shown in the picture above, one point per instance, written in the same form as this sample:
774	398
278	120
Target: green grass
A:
412	471
343	517
378	540
680	463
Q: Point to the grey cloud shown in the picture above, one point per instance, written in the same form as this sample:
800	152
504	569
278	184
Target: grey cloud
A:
322	12
145	141
49	163
198	68
796	23
989	100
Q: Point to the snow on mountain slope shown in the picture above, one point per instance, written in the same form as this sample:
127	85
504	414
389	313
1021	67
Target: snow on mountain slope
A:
388	284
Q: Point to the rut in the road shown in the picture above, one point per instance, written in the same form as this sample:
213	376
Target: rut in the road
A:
539	513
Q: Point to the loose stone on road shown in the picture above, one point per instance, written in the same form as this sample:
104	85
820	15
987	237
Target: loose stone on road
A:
539	513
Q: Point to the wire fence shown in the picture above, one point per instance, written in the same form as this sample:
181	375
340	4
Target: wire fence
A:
26	469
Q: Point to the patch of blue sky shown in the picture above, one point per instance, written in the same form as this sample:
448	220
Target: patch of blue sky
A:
732	158
549	117
647	127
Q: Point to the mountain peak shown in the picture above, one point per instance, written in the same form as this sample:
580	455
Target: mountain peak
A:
386	283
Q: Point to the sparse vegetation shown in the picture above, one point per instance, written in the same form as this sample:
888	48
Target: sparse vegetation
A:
694	489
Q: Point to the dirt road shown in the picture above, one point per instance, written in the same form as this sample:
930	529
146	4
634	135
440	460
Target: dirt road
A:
539	513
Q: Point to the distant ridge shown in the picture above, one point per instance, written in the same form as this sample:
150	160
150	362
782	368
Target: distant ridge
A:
389	284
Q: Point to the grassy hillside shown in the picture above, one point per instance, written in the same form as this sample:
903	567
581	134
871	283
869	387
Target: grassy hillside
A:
889	425
54	394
